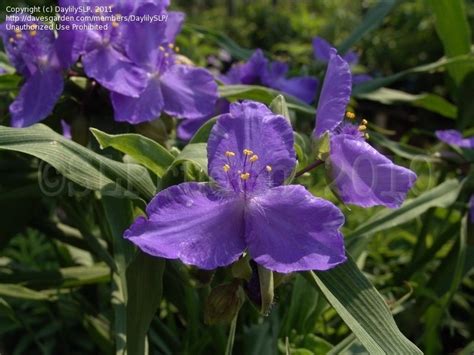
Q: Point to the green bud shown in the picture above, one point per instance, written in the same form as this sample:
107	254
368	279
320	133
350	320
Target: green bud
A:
223	303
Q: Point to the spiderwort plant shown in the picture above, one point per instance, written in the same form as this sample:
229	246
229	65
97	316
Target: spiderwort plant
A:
362	175
33	53
322	52
246	207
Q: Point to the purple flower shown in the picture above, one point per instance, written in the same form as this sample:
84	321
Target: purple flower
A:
322	52
362	175
284	228
33	53
258	70
454	137
179	90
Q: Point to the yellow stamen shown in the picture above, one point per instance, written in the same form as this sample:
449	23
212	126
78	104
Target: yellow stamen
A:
245	176
115	24
366	136
12	40
229	154
170	45
17	31
161	48
33	33
268	168
248	152
167	55
364	122
226	167
19	35
350	115
176	49
254	158
362	127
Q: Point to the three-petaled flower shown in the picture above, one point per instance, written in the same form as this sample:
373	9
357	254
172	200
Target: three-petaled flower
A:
247	207
361	174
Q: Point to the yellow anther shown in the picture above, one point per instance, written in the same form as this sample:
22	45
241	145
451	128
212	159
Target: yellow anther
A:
364	122
229	154
268	168
350	115
11	40
166	55
248	152
33	33
115	24
170	45
253	158
17	31
245	176
226	167
19	35
362	127
366	136
161	48
176	49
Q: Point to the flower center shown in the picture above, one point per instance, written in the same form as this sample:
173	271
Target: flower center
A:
244	171
353	127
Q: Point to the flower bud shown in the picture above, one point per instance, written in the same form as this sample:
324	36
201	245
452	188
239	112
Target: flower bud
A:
223	303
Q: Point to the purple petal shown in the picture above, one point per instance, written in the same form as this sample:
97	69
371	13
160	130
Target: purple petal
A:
37	97
365	177
146	107
454	137
66	127
303	88
360	78
287	229
188	92
251	125
188	128
144	51
174	24
321	49
351	57
251	72
193	223
335	95
114	71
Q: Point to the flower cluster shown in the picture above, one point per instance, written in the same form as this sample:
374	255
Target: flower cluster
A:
136	62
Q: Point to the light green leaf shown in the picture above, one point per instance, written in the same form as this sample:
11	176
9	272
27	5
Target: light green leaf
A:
202	135
279	107
371	21
362	308
78	163
142	149
21	292
430	102
453	30
9	82
195	153
262	94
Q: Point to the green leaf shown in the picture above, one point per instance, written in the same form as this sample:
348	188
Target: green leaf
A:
362	308
195	153
21	292
425	68
221	40
262	94
430	102
9	82
78	163
202	135
142	149
279	107
144	282
454	31
371	21
443	196
265	278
